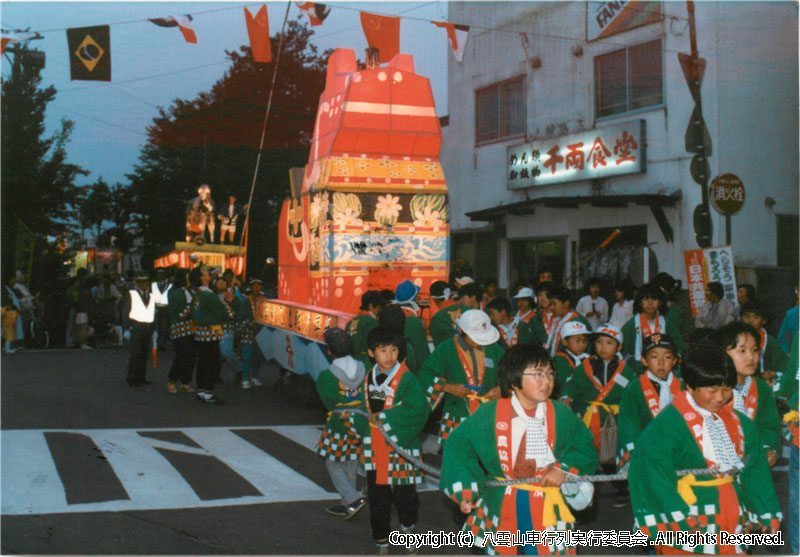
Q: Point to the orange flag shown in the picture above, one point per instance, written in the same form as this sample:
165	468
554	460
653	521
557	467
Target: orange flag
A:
382	32
258	29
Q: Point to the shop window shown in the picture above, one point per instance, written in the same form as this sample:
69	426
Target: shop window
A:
500	111
629	79
531	257
622	258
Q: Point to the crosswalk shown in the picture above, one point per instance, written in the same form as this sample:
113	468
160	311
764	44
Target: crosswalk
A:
80	471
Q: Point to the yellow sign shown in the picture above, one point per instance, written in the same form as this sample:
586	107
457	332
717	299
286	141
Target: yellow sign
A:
309	323
89	52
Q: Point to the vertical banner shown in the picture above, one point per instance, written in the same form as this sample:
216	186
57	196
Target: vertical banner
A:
709	265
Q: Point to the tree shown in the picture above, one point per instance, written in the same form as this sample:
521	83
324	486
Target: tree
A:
37	185
95	206
214	139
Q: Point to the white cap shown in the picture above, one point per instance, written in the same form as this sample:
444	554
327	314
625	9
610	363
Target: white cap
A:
573	328
611	331
477	326
525	293
461	281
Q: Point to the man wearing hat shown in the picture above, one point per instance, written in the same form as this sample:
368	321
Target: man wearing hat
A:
405	295
359	326
138	314
443	323
648	394
463	370
159	290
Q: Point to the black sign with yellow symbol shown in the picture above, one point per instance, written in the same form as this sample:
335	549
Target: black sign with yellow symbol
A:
89	53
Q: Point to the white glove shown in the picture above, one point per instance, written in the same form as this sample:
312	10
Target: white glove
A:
127	334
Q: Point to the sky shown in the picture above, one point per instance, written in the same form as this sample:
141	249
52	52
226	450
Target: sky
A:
151	66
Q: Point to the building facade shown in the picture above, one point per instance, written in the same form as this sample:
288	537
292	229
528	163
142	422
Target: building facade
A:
568	120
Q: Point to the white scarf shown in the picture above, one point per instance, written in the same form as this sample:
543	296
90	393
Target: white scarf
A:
382	390
719	449
536	446
665	394
740	395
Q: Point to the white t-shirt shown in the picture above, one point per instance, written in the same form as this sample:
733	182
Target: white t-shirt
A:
599	305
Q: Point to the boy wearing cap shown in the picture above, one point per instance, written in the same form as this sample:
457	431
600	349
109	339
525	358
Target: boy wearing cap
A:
512	331
647	395
394	398
575	337
443	323
341	386
647	320
700	431
772	357
524	434
463	370
561	307
597	385
405	295
367	319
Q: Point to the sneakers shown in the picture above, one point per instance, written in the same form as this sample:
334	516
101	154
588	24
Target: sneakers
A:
187	389
255	382
172	387
86	347
382	549
338	510
207	396
354	507
413	550
245	384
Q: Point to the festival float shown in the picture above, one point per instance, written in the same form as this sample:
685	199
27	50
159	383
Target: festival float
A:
371	212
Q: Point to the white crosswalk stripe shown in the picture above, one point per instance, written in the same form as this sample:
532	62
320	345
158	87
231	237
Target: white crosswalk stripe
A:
32	484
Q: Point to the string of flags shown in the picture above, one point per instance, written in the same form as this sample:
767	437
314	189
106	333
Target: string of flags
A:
90	47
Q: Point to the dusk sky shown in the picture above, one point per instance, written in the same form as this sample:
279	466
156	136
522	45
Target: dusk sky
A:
153	65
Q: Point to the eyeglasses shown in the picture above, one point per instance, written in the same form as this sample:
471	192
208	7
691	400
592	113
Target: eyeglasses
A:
542	375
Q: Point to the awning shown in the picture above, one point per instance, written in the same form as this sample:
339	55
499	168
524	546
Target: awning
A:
655	201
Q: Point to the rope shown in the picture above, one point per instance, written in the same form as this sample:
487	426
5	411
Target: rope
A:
570	477
243	238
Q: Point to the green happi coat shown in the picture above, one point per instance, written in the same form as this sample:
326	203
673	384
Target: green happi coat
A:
358	328
583	388
524	335
338	442
563	365
444	366
471	459
668	445
629	336
180	312
763	410
443	323
773	358
635	414
418	338
403	419
787	390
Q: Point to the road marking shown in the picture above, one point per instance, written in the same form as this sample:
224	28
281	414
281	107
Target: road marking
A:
32	484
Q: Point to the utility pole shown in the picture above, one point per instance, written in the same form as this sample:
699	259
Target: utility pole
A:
697	138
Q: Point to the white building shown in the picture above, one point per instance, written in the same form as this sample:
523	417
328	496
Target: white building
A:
536	75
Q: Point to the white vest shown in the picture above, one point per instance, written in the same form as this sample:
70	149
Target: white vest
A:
139	312
161	297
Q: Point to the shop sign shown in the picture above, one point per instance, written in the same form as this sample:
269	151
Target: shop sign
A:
609	17
599	153
211	259
727	194
709	265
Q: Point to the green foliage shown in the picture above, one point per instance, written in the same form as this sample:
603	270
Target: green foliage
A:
214	139
37	185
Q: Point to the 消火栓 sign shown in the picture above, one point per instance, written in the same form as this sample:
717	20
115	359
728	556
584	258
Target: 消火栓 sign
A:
599	153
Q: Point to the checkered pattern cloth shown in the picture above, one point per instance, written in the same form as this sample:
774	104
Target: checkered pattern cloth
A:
401	472
247	332
181	329
207	334
447	425
334	445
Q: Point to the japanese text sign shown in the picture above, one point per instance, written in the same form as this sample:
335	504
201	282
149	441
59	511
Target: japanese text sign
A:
709	265
727	194
609	17
306	322
599	153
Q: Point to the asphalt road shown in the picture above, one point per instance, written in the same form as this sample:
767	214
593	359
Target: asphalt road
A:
92	466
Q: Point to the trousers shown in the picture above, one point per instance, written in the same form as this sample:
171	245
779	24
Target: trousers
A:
381	498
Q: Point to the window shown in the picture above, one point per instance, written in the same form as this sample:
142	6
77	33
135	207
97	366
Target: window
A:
500	111
628	79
